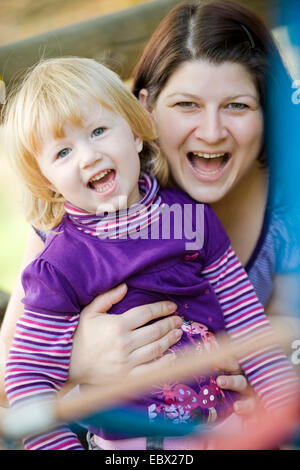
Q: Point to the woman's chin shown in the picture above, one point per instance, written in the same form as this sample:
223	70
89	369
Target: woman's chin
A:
206	193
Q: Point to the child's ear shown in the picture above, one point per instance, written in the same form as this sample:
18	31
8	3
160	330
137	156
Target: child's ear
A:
49	185
138	143
143	99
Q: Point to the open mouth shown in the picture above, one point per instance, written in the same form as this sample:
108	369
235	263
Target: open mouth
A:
103	181
208	164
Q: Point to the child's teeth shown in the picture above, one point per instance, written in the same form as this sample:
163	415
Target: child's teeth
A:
101	175
102	182
104	187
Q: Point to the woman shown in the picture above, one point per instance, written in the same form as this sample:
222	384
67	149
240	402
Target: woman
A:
202	77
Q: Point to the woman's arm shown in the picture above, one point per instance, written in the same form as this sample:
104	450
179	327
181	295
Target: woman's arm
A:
15	307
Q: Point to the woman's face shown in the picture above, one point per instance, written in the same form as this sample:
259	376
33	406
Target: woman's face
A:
210	127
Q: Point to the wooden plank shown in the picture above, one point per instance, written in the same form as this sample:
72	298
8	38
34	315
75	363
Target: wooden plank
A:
120	37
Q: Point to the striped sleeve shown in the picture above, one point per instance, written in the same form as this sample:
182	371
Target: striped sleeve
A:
267	369
37	368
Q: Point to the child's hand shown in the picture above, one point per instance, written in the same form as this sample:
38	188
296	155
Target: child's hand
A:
107	345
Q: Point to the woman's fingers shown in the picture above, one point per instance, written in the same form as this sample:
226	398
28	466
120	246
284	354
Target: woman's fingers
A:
156	349
150	333
139	316
238	383
146	369
103	302
235	383
229	364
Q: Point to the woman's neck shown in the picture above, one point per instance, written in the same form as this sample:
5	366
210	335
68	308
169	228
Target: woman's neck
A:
242	211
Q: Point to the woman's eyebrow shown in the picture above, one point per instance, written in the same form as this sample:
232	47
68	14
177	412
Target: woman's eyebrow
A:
242	95
198	97
185	94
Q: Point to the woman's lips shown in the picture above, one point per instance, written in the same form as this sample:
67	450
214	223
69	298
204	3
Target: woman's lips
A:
208	166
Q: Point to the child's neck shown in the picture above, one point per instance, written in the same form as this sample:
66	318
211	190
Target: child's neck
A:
124	204
132	218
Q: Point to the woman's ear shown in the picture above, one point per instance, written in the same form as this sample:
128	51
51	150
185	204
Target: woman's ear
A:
143	98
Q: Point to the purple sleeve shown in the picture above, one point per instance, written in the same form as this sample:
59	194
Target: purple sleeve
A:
47	290
216	240
39	358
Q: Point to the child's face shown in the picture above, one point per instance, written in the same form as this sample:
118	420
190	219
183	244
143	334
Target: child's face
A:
95	166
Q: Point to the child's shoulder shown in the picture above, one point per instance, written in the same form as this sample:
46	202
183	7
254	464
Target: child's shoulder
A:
61	245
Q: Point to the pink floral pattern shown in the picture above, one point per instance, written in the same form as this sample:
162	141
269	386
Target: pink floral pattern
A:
182	402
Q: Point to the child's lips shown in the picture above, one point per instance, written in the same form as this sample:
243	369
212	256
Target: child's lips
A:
102	181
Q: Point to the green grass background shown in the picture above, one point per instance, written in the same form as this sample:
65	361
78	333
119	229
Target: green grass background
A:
13	227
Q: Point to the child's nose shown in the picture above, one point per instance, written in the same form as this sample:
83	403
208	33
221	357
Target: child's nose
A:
89	157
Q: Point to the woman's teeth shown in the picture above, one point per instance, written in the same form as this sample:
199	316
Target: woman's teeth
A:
208	155
208	163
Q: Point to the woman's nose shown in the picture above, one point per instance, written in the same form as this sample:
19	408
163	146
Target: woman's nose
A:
211	127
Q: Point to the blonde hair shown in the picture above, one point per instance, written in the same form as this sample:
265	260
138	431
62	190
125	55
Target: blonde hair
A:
51	94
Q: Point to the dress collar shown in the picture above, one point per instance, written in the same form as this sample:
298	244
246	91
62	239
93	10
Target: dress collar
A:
124	222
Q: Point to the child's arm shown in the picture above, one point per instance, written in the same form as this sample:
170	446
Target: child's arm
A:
268	371
39	358
15	308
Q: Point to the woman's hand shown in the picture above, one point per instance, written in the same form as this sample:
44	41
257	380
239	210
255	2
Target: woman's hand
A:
107	345
237	383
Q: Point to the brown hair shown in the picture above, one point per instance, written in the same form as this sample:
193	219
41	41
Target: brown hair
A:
217	31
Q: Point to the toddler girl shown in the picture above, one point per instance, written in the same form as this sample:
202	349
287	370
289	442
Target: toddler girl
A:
84	147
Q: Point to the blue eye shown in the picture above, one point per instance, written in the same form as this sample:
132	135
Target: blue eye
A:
97	132
63	153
